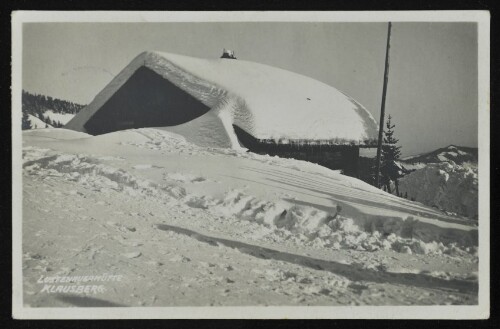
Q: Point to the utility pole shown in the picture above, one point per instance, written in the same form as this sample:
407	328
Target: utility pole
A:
382	109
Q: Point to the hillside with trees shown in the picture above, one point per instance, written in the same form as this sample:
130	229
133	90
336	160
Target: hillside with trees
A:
48	109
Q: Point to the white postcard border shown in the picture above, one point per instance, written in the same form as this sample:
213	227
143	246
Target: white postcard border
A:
480	311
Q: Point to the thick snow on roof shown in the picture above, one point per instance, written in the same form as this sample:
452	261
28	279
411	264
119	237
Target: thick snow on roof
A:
265	101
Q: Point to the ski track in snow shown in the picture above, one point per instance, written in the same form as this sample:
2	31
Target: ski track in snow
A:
95	213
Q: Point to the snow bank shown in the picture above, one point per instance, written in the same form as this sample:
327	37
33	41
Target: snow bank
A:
447	186
267	102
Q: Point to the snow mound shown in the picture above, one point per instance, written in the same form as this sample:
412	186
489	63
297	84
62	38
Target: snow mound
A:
207	130
56	133
446	185
267	102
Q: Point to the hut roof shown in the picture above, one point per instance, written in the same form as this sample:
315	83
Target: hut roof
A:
265	101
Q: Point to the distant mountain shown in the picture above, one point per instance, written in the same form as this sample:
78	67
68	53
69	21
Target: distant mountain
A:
457	154
48	111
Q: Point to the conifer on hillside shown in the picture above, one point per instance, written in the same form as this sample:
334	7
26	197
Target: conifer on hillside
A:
390	153
26	123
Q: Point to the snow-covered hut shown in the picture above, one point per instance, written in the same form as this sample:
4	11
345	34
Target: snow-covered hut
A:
235	104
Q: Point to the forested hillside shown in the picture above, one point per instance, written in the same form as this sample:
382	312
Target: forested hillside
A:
52	111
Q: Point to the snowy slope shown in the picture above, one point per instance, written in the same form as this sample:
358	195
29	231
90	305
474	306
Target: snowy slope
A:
265	101
37	123
63	118
188	225
302	184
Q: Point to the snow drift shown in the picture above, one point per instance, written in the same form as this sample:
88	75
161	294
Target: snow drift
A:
267	102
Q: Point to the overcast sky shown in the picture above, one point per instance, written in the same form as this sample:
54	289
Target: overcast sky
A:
432	90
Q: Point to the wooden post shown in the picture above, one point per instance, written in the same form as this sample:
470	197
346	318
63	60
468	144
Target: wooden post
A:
382	109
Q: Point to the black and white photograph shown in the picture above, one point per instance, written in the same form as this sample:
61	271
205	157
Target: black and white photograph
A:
250	164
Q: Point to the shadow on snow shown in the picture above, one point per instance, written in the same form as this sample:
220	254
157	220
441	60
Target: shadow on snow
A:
353	272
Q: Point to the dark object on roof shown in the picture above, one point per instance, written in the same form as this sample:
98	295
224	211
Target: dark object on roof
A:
226	53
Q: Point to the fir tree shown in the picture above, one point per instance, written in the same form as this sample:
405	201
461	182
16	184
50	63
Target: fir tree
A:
390	153
372	177
26	123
